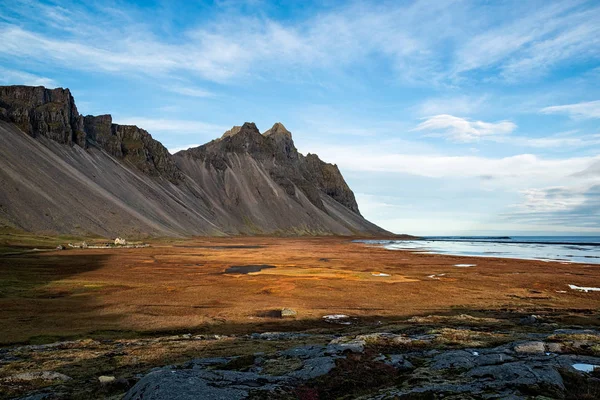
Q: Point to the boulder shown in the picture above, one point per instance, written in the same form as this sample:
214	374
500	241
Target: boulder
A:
531	347
288	313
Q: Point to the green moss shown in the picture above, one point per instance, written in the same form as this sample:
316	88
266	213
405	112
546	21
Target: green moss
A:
254	229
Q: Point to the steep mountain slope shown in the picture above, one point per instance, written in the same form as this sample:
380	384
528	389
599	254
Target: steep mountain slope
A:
61	172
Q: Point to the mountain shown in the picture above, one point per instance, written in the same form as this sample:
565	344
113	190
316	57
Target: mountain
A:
61	172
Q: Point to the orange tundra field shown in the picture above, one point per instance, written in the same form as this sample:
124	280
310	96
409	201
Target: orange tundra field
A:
184	286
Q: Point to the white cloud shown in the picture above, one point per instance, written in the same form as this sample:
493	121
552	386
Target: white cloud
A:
590	109
13	77
462	129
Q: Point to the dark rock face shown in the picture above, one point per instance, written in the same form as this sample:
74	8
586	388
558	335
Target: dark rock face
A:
52	113
329	179
38	111
244	182
146	154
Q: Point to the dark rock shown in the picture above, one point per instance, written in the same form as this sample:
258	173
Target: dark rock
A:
399	362
304	352
314	367
531	378
38	111
529	320
459	359
202	384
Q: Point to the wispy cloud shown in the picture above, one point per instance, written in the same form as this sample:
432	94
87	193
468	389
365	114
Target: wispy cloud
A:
533	43
518	171
14	77
417	41
557	141
463	105
173	126
557	198
590	109
561	206
189	91
462	129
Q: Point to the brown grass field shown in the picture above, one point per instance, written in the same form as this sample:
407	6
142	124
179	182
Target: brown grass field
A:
180	286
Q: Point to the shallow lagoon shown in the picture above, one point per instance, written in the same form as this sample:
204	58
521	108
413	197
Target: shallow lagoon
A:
563	249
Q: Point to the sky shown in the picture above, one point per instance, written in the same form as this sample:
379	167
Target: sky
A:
445	117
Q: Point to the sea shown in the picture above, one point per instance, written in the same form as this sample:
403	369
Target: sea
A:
567	249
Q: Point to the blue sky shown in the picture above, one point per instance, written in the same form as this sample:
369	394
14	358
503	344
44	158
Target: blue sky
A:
445	117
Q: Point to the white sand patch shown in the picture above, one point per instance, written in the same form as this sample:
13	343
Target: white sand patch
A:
465	265
379	274
584	289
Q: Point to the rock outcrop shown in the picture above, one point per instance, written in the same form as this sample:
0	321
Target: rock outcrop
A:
51	113
132	144
38	111
381	366
84	175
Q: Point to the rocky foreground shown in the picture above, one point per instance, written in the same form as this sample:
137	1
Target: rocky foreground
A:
466	361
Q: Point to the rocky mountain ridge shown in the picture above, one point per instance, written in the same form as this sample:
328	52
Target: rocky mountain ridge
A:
242	183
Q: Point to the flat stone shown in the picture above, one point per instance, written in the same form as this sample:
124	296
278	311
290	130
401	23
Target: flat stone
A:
41	375
288	313
314	367
554	347
188	384
541	378
530	347
343	344
106	379
457	359
304	352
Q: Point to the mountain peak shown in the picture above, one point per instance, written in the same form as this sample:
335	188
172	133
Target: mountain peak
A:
278	128
247	127
232	131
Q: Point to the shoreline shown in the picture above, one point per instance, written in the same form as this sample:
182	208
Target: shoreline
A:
482	254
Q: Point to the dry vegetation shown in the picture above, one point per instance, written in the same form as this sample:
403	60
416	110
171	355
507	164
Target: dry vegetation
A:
180	286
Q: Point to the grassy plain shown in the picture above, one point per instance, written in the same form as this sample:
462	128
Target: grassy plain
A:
181	286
